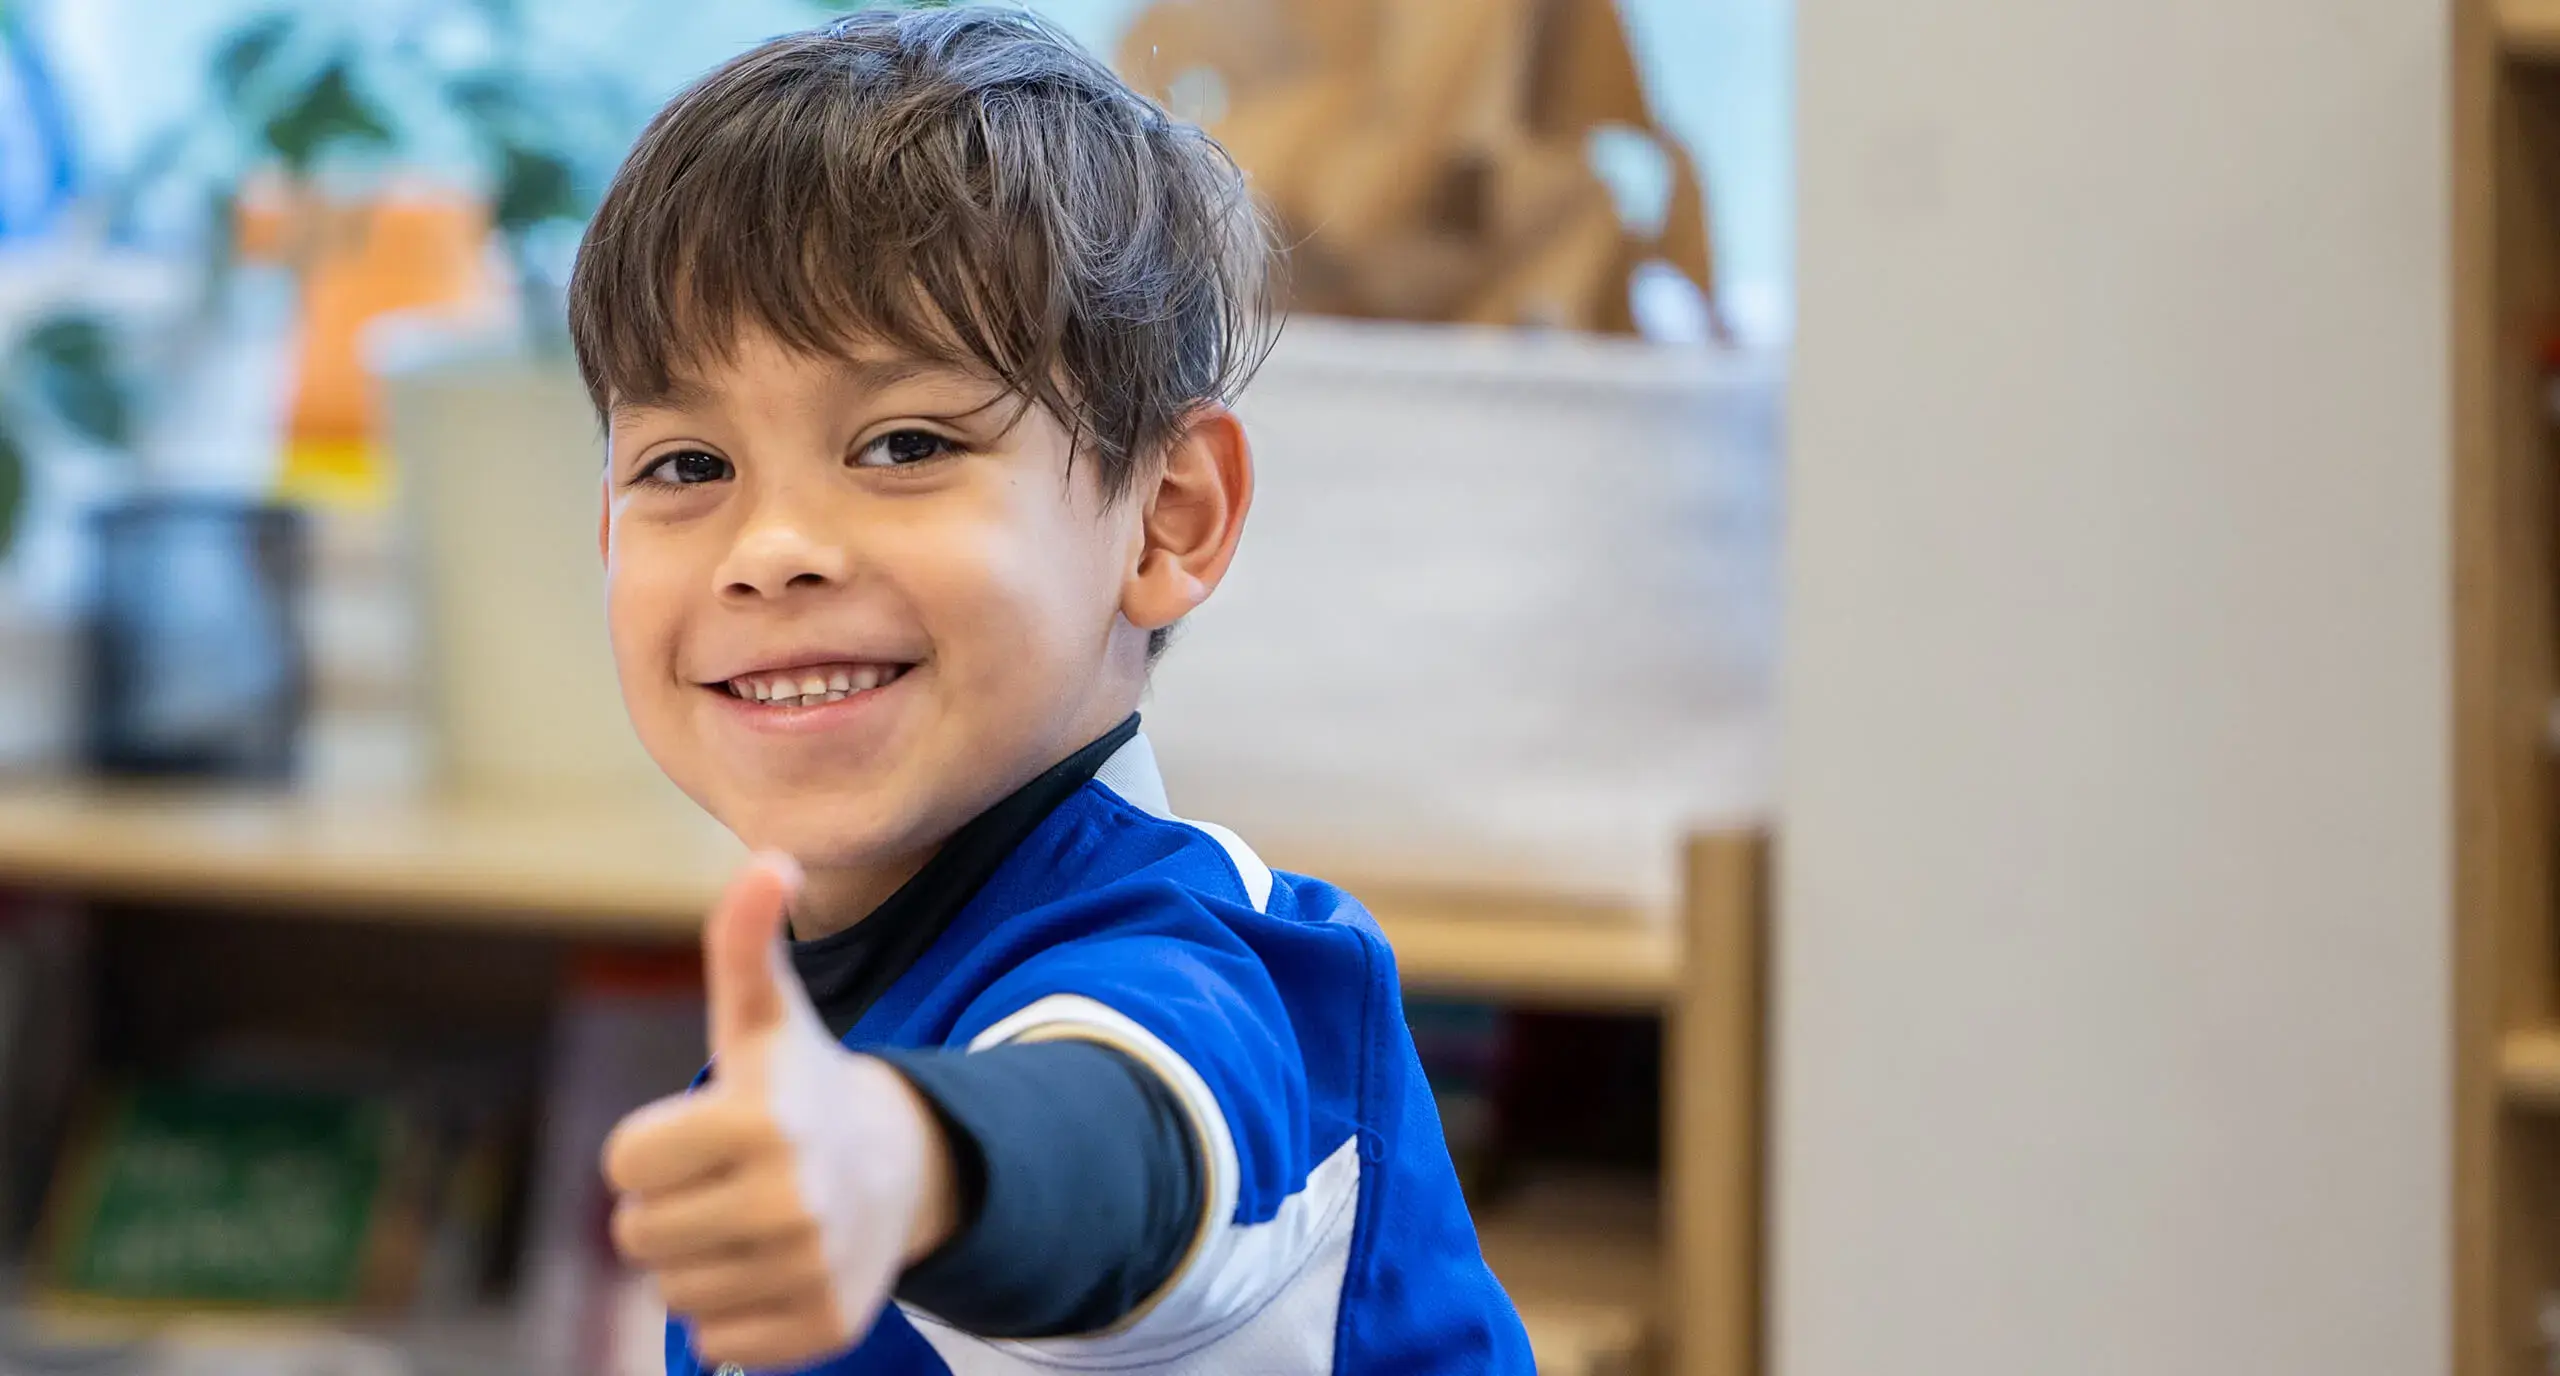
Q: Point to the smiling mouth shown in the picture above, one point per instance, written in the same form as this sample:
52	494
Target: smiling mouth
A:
811	685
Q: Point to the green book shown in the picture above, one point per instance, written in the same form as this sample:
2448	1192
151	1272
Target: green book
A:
223	1196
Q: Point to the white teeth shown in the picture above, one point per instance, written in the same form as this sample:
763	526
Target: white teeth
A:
809	688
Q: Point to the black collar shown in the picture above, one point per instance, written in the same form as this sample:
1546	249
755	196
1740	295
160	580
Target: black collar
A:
847	971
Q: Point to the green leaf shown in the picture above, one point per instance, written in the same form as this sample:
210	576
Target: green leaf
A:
247	52
329	113
13	487
534	185
485	98
70	362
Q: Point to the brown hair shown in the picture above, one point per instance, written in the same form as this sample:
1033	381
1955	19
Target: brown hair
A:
964	184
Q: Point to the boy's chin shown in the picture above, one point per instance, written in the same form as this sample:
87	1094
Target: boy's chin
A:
849	833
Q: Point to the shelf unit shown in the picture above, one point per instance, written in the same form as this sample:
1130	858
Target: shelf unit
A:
2506	295
1673	1275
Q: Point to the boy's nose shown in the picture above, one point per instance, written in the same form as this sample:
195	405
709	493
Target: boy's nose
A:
778	554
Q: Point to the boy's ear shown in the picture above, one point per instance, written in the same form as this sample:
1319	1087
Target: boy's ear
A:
604	521
1194	515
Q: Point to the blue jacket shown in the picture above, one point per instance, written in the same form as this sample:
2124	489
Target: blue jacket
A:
1334	1237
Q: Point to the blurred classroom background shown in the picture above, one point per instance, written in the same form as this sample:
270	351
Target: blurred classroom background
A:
340	916
1966	787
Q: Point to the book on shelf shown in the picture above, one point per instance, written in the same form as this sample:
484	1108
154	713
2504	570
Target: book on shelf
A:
183	1196
278	1177
629	1031
44	1023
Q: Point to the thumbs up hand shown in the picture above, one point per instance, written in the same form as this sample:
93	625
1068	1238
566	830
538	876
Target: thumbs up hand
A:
776	1207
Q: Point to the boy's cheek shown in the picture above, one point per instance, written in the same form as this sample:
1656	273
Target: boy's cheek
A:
627	634
1026	594
640	633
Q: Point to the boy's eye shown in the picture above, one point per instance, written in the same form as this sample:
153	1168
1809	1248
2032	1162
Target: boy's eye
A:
688	468
901	447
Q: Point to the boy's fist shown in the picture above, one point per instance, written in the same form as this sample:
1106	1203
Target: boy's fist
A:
776	1207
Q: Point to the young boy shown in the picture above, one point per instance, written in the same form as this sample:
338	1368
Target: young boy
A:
914	337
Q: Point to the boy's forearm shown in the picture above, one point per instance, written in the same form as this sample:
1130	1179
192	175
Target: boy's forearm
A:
1072	1188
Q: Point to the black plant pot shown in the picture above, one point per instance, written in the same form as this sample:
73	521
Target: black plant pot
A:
196	660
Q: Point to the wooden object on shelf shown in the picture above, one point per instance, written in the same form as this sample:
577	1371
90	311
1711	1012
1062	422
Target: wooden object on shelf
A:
1429	159
2506	292
1680	1271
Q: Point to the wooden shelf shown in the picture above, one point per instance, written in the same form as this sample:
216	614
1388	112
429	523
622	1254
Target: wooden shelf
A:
2529	1068
1583	1260
485	1341
2529	29
595	869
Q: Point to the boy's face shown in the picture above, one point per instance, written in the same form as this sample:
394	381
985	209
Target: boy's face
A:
853	604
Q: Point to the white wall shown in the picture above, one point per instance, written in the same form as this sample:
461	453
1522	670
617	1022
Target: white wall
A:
2112	1034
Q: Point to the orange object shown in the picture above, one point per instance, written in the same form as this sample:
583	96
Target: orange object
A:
410	248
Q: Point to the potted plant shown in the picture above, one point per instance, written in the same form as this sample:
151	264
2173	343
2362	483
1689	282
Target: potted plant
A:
313	113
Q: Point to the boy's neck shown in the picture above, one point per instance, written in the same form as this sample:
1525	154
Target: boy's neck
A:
834	899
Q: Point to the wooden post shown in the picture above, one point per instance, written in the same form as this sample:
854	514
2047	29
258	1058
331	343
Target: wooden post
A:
1713	1097
2506	288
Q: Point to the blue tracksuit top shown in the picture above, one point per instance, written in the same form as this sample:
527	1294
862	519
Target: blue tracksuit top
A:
1334	1237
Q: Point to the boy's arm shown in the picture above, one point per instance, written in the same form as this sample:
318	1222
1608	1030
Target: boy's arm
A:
776	1208
1066	1152
1162	980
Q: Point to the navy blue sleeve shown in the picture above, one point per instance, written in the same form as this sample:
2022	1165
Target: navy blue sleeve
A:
1067	1152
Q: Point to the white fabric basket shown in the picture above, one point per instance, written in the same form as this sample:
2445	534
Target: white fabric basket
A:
1500	593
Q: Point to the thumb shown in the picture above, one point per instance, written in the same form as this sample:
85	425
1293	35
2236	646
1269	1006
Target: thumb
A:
741	969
